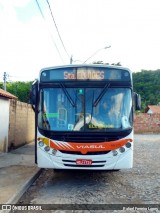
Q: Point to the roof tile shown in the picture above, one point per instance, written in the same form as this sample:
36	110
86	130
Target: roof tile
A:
6	94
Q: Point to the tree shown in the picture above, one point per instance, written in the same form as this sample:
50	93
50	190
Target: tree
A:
147	84
117	64
19	89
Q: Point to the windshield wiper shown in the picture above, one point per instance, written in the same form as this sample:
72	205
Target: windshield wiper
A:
68	95
101	95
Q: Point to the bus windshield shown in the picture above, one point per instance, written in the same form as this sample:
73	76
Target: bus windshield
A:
85	109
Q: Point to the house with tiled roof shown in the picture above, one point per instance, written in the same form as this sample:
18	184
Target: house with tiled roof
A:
4	118
5	94
153	109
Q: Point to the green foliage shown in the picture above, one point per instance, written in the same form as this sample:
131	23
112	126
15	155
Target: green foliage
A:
1	85
19	89
147	84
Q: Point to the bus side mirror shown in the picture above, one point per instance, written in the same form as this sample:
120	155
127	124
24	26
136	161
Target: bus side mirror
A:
137	101
34	94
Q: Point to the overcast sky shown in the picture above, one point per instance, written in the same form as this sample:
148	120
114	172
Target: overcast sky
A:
29	42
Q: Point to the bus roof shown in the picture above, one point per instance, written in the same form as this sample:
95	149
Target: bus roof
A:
86	65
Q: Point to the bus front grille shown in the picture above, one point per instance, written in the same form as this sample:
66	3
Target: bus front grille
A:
72	163
88	153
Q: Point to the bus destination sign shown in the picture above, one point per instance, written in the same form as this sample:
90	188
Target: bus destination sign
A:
84	73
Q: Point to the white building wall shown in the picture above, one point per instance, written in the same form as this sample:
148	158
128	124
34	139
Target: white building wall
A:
4	123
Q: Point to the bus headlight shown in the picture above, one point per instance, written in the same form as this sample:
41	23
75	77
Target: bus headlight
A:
114	152
54	151
128	145
122	149
47	148
41	143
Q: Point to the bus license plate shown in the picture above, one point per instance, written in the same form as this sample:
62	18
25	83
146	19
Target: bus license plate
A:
83	162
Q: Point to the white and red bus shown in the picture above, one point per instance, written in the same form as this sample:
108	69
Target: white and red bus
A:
84	117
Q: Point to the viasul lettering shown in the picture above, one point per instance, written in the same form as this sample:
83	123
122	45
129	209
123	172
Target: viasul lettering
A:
90	147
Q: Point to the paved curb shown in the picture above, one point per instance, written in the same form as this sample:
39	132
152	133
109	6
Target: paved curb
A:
14	199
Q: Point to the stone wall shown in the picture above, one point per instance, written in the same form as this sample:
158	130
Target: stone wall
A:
21	124
147	123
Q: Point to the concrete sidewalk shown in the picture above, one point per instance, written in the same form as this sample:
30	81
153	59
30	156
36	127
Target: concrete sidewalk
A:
17	172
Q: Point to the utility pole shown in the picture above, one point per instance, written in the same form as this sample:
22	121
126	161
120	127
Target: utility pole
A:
71	59
5	78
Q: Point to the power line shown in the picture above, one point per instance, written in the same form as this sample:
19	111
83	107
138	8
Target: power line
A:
57	28
49	30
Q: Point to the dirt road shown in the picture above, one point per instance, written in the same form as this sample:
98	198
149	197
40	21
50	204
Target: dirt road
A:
140	185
